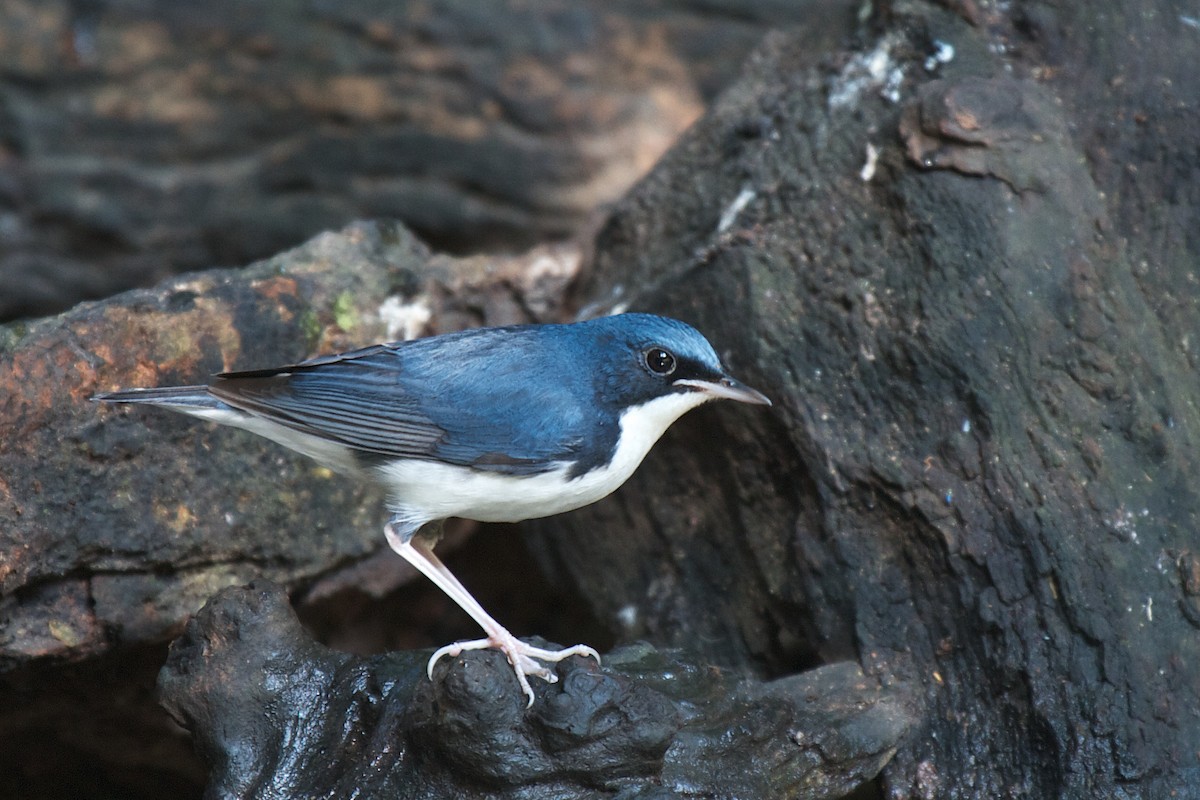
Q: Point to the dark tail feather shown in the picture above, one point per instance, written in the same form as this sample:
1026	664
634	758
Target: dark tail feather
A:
176	396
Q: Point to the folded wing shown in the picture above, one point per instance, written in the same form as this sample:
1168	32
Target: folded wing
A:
409	400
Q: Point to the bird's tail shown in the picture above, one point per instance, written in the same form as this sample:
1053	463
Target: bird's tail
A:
185	398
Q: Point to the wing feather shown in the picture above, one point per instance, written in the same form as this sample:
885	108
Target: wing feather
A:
338	400
493	388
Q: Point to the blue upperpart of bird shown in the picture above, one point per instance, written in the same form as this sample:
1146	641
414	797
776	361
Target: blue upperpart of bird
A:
493	424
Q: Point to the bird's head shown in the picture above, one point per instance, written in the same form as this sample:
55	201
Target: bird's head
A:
651	357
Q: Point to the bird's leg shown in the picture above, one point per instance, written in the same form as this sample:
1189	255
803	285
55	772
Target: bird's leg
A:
419	553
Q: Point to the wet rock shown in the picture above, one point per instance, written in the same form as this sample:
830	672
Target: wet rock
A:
273	714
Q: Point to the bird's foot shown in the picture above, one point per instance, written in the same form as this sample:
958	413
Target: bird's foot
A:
523	657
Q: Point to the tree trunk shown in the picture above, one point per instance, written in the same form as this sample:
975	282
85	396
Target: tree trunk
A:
961	259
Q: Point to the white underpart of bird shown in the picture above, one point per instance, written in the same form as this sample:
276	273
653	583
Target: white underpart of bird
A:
501	498
330	454
491	497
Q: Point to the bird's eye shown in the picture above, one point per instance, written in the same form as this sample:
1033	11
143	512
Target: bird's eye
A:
660	361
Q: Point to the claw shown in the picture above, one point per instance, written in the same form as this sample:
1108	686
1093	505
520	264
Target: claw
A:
523	657
520	655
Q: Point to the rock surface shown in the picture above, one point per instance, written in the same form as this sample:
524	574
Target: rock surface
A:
961	259
275	714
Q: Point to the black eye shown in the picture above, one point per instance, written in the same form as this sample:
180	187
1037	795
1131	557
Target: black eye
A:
660	361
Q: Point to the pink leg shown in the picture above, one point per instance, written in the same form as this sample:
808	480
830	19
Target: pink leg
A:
520	655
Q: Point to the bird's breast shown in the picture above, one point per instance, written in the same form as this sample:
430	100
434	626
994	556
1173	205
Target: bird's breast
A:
430	490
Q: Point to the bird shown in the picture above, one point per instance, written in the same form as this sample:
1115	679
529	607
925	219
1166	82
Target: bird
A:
499	424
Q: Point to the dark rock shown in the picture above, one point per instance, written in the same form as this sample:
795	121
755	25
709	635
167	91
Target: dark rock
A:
1001	127
969	286
274	714
820	733
93	729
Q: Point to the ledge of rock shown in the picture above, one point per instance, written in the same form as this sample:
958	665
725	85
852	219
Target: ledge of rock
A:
273	713
117	524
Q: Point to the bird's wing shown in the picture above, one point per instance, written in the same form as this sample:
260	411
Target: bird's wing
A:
468	403
353	400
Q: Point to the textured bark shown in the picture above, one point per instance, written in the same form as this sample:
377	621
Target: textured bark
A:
979	472
276	715
139	139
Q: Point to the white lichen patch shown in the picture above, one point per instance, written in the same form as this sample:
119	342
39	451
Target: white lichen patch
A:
735	208
405	319
627	616
943	53
1124	523
558	264
866	72
868	169
546	272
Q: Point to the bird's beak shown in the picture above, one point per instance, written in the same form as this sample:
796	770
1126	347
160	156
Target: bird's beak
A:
728	389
